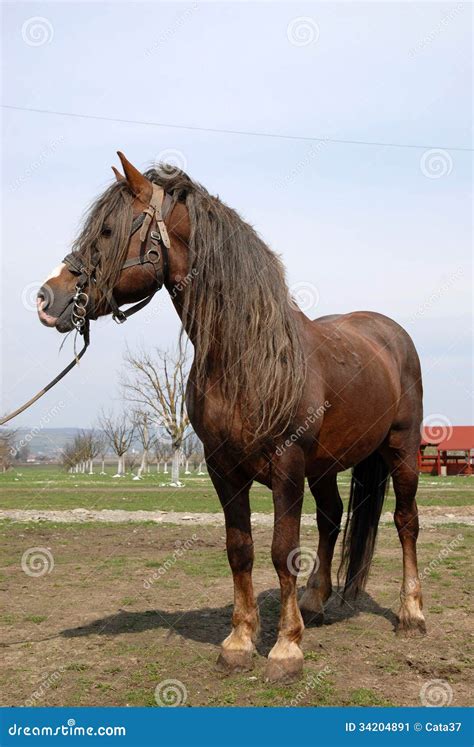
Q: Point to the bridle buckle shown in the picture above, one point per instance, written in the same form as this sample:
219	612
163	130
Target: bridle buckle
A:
119	317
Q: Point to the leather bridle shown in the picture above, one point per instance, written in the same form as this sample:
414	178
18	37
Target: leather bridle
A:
155	254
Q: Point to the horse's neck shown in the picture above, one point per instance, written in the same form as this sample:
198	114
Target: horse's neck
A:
178	281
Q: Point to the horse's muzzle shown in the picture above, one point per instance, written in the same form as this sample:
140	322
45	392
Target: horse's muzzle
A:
47	303
46	319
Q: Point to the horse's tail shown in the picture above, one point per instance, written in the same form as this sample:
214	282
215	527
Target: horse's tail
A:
368	487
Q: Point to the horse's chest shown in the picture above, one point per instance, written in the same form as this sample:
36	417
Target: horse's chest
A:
208	414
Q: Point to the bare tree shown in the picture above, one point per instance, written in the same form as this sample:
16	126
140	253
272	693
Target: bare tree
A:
102	450
158	386
131	461
73	454
141	419
7	448
190	446
200	456
119	433
160	450
22	453
90	446
69	457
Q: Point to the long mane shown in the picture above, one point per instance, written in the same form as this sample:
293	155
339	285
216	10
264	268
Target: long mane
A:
237	304
113	207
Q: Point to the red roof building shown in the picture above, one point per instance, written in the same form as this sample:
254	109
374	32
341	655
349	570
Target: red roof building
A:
447	450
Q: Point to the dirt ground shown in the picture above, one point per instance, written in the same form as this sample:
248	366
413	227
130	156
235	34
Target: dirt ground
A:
430	516
115	612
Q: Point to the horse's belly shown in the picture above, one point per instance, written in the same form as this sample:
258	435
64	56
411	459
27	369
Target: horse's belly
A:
338	451
354	425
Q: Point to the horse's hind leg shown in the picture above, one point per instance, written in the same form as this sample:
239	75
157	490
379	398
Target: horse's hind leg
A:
404	471
328	517
237	650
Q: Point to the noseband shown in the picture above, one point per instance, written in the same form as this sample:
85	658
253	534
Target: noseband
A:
156	255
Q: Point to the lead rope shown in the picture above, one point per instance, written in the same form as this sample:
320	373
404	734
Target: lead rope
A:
85	333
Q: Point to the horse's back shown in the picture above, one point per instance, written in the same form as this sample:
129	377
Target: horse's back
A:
375	328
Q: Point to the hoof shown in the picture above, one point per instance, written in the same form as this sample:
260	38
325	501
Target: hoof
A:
283	670
311	606
312	617
234	661
411	627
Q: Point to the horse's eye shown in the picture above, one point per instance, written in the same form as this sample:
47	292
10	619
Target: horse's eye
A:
106	231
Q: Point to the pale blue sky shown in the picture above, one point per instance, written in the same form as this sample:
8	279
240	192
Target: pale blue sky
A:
364	225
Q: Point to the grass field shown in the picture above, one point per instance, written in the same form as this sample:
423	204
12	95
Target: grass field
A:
50	488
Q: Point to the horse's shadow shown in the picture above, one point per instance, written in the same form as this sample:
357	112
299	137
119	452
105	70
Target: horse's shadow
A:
212	624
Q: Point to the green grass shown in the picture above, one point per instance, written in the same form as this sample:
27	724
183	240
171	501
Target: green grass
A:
47	487
77	666
365	697
37	619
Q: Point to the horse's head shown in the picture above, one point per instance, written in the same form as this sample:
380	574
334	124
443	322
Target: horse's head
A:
121	255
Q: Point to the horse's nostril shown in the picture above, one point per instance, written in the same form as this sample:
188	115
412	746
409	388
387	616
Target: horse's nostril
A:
43	298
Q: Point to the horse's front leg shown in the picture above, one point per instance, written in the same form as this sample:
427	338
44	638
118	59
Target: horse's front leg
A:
285	660
238	648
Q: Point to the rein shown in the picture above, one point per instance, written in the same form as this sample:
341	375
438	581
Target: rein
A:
159	239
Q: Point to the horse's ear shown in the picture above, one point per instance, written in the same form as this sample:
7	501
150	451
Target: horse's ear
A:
120	177
139	184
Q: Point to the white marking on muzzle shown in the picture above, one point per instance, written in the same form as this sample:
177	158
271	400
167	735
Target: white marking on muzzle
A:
56	272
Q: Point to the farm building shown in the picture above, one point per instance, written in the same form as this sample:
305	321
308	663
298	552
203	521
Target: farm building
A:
447	450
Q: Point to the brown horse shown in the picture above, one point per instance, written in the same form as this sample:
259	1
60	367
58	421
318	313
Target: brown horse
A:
274	396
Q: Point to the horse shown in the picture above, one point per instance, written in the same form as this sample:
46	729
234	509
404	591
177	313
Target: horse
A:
274	396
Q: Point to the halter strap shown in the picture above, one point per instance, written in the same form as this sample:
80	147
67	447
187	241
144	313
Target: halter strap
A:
157	255
154	211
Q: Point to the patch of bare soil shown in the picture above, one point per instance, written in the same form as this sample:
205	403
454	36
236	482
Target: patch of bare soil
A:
125	608
429	516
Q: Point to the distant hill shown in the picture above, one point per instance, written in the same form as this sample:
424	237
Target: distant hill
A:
45	442
48	443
